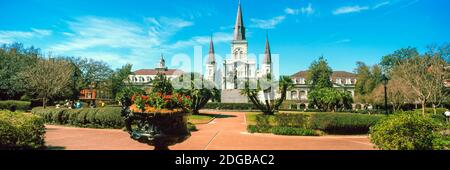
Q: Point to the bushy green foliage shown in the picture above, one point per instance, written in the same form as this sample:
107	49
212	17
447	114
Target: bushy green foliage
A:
342	123
21	131
107	117
230	106
330	99
281	130
14	105
333	123
292	131
407	131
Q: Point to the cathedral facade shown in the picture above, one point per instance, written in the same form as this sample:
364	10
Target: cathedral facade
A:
238	69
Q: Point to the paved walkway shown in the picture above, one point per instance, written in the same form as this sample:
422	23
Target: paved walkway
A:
226	133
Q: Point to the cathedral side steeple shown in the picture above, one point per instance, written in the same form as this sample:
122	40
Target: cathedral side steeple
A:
211	63
267	62
267	54
211	57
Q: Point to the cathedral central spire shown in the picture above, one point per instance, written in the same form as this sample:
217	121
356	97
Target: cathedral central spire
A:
239	29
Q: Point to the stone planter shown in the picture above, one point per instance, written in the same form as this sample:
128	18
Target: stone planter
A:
160	130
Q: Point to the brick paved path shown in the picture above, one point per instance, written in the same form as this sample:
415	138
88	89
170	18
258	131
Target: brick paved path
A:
226	133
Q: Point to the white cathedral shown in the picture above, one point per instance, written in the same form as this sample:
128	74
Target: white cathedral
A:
239	68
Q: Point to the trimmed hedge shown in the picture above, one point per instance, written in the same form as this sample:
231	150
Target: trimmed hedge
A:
280	130
332	123
21	131
14	105
230	106
343	123
107	117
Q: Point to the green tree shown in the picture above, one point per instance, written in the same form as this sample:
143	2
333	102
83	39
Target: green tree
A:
319	74
13	59
330	99
47	79
268	106
368	79
388	62
119	79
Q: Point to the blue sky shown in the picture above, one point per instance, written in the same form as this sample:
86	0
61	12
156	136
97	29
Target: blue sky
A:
137	31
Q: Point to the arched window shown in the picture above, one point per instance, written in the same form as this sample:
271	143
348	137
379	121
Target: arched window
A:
303	95
294	95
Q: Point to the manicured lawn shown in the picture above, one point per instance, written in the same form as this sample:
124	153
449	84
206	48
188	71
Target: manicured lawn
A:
201	118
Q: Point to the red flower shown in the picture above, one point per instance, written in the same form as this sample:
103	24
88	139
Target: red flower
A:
145	98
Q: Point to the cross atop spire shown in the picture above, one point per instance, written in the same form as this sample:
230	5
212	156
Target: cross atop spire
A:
211	57
239	29
267	54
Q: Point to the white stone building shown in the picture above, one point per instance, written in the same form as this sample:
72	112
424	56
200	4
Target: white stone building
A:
143	77
239	68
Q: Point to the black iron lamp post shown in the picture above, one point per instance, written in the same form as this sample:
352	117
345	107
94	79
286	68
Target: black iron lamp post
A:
385	81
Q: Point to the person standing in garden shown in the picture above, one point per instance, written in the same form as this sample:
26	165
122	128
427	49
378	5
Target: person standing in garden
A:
447	115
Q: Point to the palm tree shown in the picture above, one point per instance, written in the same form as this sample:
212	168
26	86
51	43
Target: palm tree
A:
199	90
270	105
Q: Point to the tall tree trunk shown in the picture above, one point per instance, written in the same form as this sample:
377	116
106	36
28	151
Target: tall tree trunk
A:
43	102
423	107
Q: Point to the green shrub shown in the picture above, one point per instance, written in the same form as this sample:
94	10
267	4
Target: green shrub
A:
291	120
406	131
333	123
342	123
14	105
258	129
21	131
107	117
439	111
292	131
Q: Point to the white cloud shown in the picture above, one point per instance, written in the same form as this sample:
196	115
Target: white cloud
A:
267	24
290	11
118	41
349	9
218	37
307	10
381	4
12	36
342	41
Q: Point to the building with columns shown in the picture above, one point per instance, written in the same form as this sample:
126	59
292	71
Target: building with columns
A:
342	80
142	78
239	68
